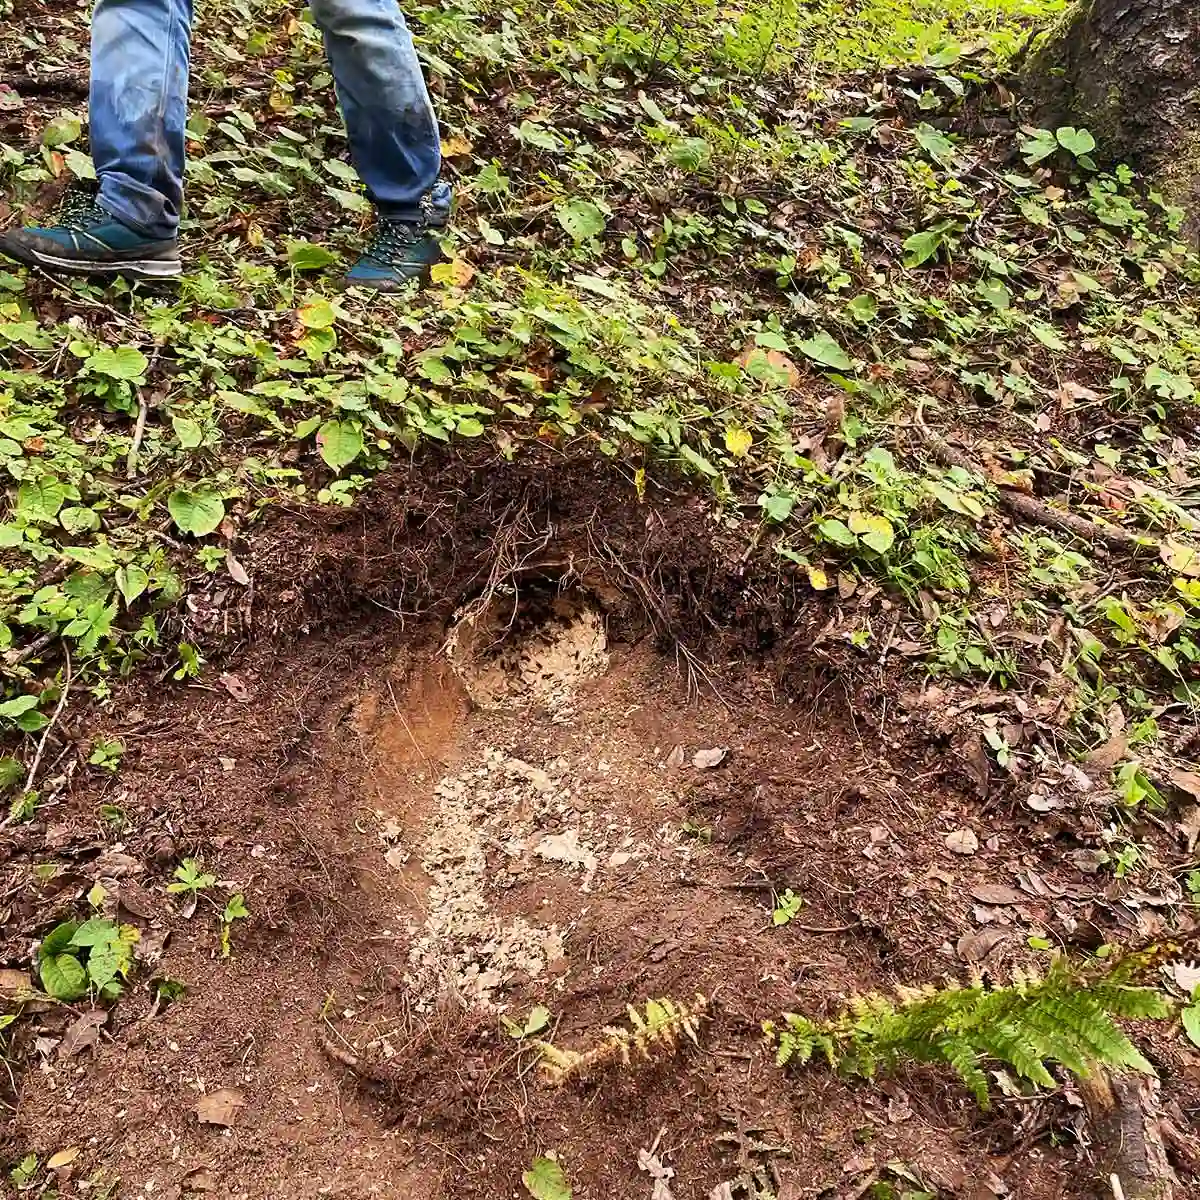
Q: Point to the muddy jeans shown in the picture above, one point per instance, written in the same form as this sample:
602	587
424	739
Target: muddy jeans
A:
140	51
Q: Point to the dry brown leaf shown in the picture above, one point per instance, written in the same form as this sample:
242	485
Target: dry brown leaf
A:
677	757
14	984
975	947
235	687
1181	558
1186	976
236	571
997	893
1105	757
220	1107
64	1158
962	841
1189	828
82	1033
976	763
705	759
1186	781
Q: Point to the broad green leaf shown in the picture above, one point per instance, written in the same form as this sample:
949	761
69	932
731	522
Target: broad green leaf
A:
340	443
1077	141
318	313
1039	145
581	219
873	531
1190	1017
863	309
188	432
697	460
822	348
58	939
651	109
777	505
833	530
122	362
533	134
80	165
60	131
17	705
939	147
538	1019
132	582
469	427
921	247
995	293
197	510
308	256
79	520
63	977
40	499
545	1180
95	932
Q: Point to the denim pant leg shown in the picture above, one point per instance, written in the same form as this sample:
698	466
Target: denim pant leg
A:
138	109
389	119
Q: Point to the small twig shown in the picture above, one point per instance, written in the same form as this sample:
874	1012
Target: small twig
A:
62	703
139	430
14	658
1117	1190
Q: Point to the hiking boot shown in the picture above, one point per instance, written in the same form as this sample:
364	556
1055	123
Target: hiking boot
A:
399	251
91	241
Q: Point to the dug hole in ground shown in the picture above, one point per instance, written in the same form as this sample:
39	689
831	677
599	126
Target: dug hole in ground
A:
500	753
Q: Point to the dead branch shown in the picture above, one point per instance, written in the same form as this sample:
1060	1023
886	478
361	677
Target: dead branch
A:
1124	1115
1028	508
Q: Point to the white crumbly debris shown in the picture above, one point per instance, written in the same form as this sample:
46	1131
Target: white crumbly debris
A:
502	663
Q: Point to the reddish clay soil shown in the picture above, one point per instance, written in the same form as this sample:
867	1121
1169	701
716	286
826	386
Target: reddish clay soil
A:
438	825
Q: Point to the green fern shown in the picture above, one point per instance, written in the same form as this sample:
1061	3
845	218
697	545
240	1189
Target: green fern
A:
656	1030
1066	1017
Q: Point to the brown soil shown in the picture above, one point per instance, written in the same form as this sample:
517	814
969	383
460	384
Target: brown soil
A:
424	855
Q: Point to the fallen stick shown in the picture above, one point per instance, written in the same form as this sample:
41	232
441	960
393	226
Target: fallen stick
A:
1029	508
1124	1115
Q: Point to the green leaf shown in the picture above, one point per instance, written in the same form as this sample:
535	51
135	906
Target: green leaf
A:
939	147
95	932
63	977
79	520
838	532
318	313
1039	145
469	427
308	256
697	460
40	499
921	247
340	443
873	531
822	348
58	939
197	510
132	582
992	291
581	219
651	109
11	772
1077	141
122	362
863	309
538	1019
533	134
60	131
545	1180
1190	1017
188	432
17	706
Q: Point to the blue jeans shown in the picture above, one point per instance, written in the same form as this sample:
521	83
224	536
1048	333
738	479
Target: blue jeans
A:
140	53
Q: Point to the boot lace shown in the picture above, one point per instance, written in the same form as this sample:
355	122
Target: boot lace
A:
392	238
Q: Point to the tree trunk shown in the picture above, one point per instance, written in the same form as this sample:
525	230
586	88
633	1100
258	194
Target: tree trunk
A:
1129	72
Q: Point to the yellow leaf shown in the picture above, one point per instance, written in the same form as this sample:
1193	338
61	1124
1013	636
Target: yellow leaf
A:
455	147
639	482
1180	557
738	441
457	272
64	1158
817	579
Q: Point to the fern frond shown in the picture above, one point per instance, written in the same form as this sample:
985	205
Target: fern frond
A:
655	1031
961	1055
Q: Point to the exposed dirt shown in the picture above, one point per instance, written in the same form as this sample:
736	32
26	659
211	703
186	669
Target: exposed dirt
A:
438	824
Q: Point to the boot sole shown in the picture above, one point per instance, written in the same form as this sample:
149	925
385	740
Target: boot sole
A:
134	268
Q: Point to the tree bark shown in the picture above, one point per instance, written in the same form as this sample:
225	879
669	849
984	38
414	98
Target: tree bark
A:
1129	72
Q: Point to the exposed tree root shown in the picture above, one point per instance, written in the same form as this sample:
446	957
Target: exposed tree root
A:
1125	1117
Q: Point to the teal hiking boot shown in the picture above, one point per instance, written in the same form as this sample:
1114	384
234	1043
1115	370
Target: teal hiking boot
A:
91	241
399	251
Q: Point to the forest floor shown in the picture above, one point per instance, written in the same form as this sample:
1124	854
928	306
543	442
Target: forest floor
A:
761	566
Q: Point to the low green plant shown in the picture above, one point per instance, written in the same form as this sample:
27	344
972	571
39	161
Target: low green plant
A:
191	877
656	1030
106	753
787	906
1066	1017
235	910
93	956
